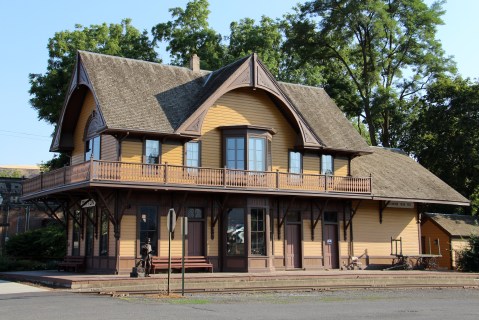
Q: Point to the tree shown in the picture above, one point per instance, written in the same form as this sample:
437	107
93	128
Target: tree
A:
10	173
264	39
378	56
189	33
444	136
468	259
48	90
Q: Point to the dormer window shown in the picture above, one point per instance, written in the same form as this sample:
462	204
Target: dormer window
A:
247	147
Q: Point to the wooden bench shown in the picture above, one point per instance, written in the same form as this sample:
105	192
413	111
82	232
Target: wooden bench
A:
76	263
191	262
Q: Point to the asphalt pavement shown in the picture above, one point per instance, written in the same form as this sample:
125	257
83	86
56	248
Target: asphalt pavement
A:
344	304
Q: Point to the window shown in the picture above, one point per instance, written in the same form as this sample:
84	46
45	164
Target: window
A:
326	164
247	147
92	148
235	232
89	231
195	213
295	162
104	233
76	234
331	217
258	243
152	151
235	153
148	227
257	154
192	154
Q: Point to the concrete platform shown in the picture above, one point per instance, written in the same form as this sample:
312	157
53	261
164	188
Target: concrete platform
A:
231	282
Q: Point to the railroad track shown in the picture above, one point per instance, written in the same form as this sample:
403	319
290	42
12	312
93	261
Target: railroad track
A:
117	293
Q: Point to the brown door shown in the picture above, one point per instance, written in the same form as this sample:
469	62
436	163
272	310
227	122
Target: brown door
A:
196	238
293	246
331	252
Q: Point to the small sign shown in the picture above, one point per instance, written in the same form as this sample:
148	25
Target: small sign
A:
401	204
329	241
87	203
171	220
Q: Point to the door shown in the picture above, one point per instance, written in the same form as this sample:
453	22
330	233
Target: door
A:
331	250
196	238
293	246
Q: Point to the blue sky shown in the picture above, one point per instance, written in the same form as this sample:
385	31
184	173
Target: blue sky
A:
26	26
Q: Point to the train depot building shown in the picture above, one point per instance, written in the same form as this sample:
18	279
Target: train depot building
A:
271	175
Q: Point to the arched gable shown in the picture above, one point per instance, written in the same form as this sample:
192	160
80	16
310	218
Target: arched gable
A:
253	74
78	89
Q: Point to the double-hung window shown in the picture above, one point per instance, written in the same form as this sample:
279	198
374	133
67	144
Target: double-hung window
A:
92	148
192	154
256	154
295	162
152	151
247	147
235	153
326	164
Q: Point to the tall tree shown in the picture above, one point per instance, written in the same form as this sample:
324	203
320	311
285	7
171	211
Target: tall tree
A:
264	38
48	89
378	55
189	33
444	137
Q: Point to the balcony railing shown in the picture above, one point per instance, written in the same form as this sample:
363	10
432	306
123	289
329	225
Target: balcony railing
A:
165	174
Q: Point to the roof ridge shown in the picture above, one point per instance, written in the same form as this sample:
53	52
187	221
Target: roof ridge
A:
138	60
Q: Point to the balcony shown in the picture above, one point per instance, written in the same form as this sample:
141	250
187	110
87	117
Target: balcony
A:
164	176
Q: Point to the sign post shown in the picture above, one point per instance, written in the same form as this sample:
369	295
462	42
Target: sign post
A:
170	225
184	227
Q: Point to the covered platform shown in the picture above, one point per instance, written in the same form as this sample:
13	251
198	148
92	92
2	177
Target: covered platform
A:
242	282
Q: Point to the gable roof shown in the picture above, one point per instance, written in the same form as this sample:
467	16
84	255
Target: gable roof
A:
396	176
456	225
152	98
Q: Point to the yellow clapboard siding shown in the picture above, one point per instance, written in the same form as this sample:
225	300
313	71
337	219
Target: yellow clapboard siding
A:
376	238
311	248
278	244
128	236
212	245
245	107
176	245
311	164
78	153
172	153
108	148
341	166
343	245
132	151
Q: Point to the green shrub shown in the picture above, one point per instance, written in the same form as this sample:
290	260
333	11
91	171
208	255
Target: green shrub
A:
40	244
11	264
468	259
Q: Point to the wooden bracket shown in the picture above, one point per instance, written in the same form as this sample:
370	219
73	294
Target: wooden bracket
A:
220	212
347	224
381	209
314	222
282	219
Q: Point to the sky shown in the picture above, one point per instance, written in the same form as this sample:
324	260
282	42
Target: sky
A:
26	26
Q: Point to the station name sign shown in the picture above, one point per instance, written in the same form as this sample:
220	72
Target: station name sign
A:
87	203
401	204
